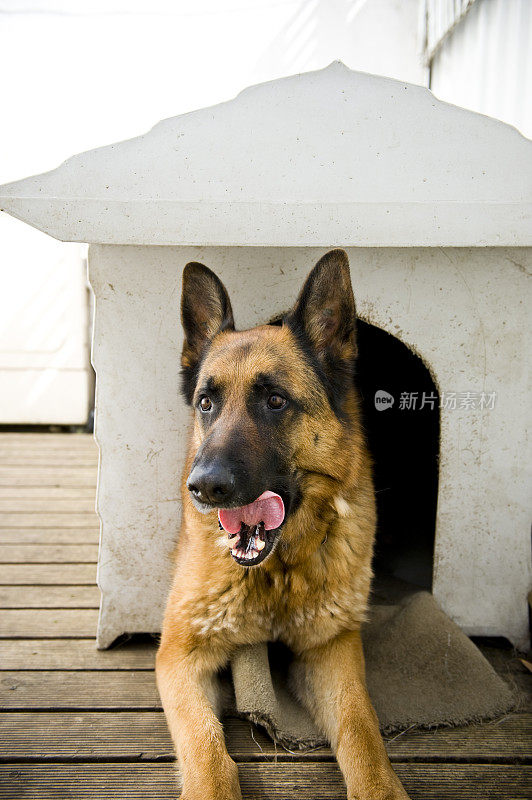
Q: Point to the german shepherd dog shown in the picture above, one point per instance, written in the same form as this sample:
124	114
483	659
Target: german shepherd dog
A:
278	526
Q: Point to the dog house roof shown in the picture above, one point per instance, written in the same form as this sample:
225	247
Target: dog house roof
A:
322	158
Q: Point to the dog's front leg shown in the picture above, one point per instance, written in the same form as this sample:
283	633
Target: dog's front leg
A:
330	681
188	688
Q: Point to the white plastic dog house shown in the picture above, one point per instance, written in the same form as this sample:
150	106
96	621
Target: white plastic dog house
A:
433	205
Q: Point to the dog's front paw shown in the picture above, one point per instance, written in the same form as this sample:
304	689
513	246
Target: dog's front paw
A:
389	789
219	784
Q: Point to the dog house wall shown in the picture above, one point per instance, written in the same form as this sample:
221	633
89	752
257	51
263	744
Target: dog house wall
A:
461	310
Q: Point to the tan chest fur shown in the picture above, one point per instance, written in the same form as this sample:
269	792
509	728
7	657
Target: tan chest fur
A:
302	604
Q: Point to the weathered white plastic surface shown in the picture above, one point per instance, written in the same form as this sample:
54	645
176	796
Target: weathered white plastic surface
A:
464	311
326	157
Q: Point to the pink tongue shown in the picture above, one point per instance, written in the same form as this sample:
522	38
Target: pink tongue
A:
268	508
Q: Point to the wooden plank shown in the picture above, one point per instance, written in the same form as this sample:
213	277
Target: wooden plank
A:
54	505
147	780
76	654
47	520
42	689
31	574
38	623
48	554
46	439
26	453
47	492
47	476
84	736
94	735
49	459
40	446
49	535
49	597
506	741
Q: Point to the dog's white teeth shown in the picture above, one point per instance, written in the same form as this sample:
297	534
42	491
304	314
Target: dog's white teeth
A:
260	544
246	555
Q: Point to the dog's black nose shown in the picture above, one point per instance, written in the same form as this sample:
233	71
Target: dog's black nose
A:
211	483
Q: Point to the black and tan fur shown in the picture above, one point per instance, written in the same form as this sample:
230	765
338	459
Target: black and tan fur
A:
311	591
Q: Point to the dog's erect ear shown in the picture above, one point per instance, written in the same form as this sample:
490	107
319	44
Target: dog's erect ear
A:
205	311
325	310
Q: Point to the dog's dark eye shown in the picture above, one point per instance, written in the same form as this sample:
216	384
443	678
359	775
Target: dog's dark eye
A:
276	402
205	403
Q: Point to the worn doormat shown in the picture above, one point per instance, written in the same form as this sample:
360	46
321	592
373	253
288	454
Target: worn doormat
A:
422	670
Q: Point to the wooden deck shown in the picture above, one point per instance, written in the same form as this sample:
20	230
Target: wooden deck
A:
81	723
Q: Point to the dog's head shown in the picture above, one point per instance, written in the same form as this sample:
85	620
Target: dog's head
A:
271	404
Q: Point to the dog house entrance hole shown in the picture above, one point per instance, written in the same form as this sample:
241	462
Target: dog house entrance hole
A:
402	422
